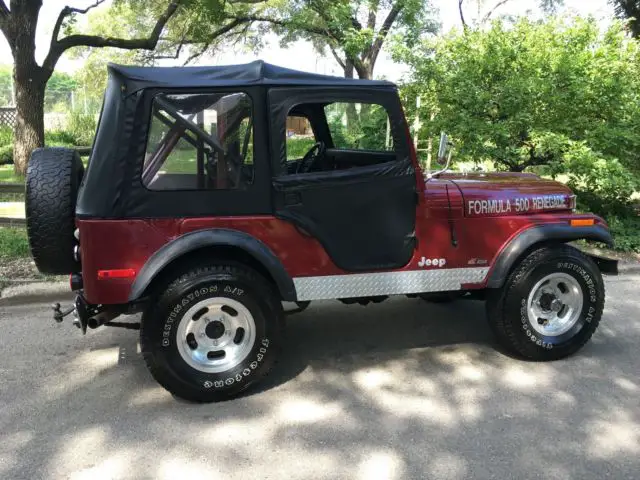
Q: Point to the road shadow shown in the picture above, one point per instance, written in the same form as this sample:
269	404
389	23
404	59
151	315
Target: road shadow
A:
403	389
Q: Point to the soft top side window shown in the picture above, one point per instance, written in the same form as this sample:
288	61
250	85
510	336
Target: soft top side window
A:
359	126
199	141
345	135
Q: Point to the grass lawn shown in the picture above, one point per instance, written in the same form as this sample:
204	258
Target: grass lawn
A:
8	176
13	243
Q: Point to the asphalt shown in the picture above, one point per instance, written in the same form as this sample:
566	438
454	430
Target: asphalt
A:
399	390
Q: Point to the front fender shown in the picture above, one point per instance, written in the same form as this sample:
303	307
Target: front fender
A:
518	245
210	238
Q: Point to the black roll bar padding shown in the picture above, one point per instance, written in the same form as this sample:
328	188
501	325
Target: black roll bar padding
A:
189	125
165	147
171	124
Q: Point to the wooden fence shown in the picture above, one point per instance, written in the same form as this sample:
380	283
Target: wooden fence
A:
7	116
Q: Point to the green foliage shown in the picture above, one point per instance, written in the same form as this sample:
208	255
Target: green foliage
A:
505	92
559	97
604	186
80	131
13	243
59	88
7	175
6	154
59	138
6	136
82	128
298	146
358	126
626	232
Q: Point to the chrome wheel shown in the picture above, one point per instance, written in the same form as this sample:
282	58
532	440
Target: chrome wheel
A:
555	304
216	334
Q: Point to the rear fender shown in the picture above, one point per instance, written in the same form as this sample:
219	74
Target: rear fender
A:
193	241
526	239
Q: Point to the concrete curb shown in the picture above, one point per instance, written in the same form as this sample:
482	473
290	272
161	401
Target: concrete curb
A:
39	292
628	268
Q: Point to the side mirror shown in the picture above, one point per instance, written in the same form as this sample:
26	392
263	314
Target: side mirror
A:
442	150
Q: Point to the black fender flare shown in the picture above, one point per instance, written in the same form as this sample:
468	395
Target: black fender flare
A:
538	234
192	241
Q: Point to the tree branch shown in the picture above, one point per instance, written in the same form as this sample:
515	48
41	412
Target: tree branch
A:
218	33
492	11
360	67
282	23
64	13
175	56
464	23
4	17
58	47
373	13
337	57
384	31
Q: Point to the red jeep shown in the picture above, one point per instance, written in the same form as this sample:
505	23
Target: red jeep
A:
213	194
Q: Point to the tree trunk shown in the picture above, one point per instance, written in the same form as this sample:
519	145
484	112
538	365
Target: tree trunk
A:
29	81
29	86
351	112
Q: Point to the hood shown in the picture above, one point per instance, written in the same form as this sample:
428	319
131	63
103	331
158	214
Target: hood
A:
495	194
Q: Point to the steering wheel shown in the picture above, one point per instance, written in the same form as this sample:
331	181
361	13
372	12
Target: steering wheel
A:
314	153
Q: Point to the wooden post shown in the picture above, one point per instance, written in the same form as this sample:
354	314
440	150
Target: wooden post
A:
387	142
416	124
430	143
13	92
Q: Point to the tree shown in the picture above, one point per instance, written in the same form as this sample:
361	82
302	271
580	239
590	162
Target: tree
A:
629	10
559	95
353	31
484	11
18	24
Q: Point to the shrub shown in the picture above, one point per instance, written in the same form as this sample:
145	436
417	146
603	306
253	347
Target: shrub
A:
82	128
626	233
6	154
59	138
6	136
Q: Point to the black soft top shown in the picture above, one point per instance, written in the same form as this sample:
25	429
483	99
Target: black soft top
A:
254	73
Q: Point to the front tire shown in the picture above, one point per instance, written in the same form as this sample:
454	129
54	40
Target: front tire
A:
212	333
550	305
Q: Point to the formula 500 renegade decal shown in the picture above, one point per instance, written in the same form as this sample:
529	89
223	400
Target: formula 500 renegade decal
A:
529	204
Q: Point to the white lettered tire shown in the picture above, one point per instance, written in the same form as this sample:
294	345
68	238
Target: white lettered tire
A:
550	305
212	333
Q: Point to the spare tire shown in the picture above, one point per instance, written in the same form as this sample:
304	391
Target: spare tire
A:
53	179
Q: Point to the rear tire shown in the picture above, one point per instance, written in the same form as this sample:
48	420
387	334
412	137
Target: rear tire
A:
212	333
550	305
53	180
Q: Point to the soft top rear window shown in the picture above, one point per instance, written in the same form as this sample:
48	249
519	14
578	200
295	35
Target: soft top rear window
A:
199	141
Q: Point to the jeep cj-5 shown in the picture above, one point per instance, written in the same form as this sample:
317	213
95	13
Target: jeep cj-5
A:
213	194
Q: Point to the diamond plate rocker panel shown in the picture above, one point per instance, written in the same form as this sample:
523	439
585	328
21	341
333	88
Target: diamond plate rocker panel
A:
386	283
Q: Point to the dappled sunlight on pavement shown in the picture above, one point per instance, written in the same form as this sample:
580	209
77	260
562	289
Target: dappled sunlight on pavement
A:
403	389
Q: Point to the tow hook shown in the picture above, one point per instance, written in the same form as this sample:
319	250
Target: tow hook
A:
58	314
79	310
92	316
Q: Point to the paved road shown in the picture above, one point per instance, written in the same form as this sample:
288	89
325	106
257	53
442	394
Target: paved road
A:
403	389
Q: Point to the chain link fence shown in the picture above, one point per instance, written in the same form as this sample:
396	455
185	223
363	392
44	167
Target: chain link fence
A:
59	104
